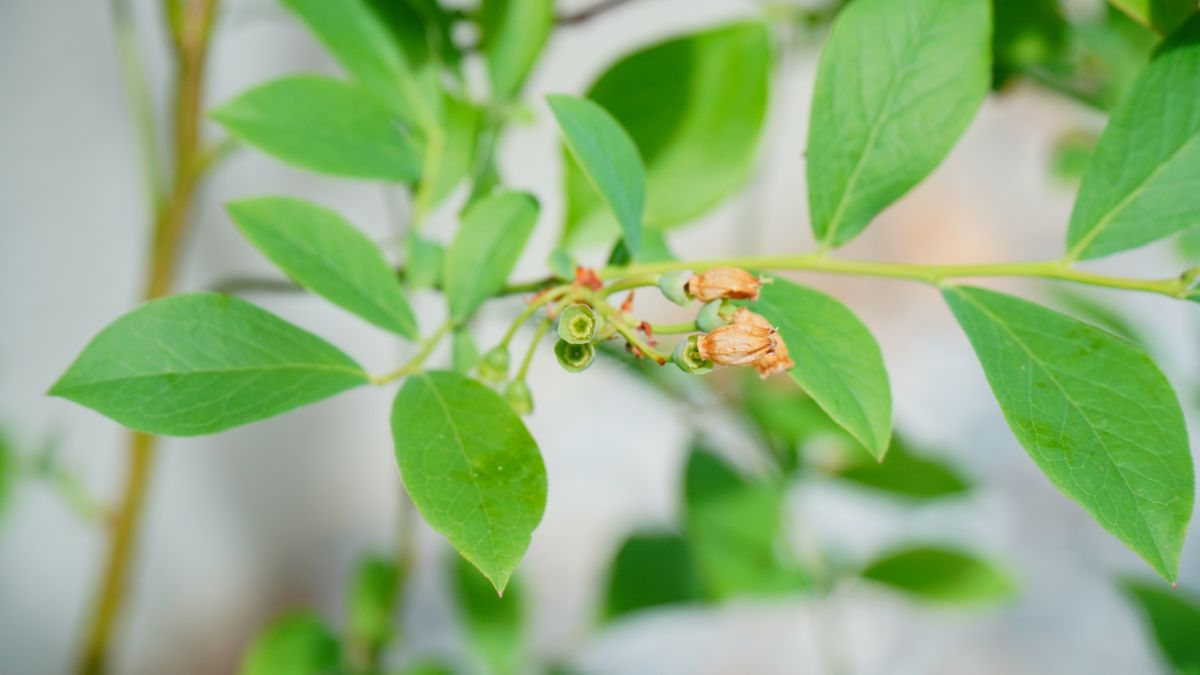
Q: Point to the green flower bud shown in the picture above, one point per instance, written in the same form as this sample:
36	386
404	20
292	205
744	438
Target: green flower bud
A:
518	396
493	367
578	324
687	356
710	316
574	357
674	287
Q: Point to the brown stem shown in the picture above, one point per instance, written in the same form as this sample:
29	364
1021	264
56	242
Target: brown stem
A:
170	225
585	15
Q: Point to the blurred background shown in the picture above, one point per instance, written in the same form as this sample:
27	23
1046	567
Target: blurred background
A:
249	523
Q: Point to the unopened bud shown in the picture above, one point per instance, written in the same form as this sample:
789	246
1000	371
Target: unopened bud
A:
674	287
736	344
574	357
710	317
777	361
687	356
728	283
578	324
493	367
518	396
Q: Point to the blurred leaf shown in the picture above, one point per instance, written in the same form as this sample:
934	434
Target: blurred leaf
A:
513	34
1071	155
1173	618
695	106
322	252
299	644
890	104
426	258
465	354
1094	412
490	238
1109	51
471	468
837	359
1163	16
323	125
941	575
786	412
460	132
1099	313
905	474
608	157
495	625
372	604
1027	34
358	38
202	363
1141	183
735	528
650	570
421	29
426	668
561	264
1188	245
8	470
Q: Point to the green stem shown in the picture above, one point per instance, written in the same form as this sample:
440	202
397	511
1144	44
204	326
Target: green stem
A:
673	328
629	284
930	274
530	309
528	359
414	364
140	108
618	321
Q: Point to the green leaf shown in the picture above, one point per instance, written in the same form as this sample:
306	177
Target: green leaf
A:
941	575
494	624
8	470
837	360
373	597
322	252
514	32
455	146
1162	16
735	528
695	107
1029	34
299	644
425	260
1097	312
1141	183
1173	618
905	474
324	125
890	104
421	29
359	39
486	248
650	570
464	353
1094	412
201	363
608	157
471	467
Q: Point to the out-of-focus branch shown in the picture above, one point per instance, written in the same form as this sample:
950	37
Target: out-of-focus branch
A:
585	15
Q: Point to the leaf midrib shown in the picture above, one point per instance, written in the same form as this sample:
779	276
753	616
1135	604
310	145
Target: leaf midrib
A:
212	371
1095	433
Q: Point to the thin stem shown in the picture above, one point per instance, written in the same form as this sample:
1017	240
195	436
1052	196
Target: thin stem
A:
618	321
171	223
239	285
141	111
536	304
537	338
931	274
673	328
414	364
590	13
640	281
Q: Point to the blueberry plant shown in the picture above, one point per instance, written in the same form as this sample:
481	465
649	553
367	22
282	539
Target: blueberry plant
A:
662	136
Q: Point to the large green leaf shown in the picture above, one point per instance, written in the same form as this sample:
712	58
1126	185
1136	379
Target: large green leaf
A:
941	575
735	528
837	360
608	158
358	37
322	252
695	106
495	625
1163	16
201	363
371	603
1173	617
486	248
514	32
471	467
299	644
324	125
1094	412
650	570
897	84
1143	179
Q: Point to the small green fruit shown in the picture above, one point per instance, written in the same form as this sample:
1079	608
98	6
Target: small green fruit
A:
574	357
674	287
710	317
578	324
518	396
494	366
687	357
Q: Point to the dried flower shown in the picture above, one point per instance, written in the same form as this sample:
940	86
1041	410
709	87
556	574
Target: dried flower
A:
736	344
777	360
724	283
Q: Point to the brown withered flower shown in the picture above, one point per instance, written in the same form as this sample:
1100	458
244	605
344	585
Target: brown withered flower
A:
736	344
728	283
777	360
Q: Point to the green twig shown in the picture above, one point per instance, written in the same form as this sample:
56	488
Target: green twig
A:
414	364
533	345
